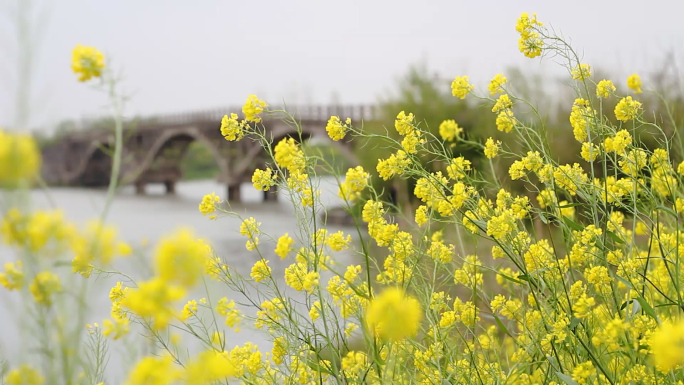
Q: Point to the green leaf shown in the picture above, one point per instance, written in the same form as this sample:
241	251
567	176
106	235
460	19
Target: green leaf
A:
615	237
572	224
501	325
624	281
667	210
647	307
567	379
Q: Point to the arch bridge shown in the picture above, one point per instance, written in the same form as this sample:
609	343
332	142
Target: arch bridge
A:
154	147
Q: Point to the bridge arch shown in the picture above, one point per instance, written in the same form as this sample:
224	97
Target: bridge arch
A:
172	139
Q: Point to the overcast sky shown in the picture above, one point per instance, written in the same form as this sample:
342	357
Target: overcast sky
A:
182	55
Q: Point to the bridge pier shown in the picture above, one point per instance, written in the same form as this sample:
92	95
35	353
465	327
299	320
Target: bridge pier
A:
139	188
271	195
234	193
170	186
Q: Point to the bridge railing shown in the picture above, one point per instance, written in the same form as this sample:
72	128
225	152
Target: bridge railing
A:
357	113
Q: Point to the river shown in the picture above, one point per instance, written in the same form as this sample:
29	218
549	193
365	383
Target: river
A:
142	220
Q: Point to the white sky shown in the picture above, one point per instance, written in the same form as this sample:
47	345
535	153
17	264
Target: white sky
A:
181	55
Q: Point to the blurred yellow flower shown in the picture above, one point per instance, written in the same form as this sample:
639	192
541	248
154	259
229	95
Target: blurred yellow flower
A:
19	158
180	258
634	83
393	315
24	375
87	62
667	345
44	285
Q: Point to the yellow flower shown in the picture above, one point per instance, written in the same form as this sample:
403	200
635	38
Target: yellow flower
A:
298	277
252	108
97	244
619	142
582	372
491	149
288	155
209	204
396	164
460	87
404	123
24	375
356	180
627	109
337	241
154	298
421	215
393	315
250	229
589	151
336	129
180	258
284	246
87	62
604	88
231	128
495	86
667	345
264	179
228	309
44	285
505	121
260	270
116	327
209	366
502	103
634	83
19	158
581	72
153	371
449	130
13	277
530	42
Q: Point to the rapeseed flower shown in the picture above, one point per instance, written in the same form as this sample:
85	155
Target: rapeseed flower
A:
13	277
44	286
87	62
336	129
260	270
24	375
393	315
667	345
19	158
491	149
496	84
154	298
288	155
209	205
232	129
581	72
449	130
153	371
634	83
253	108
180	258
264	179
604	88
627	109
460	87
